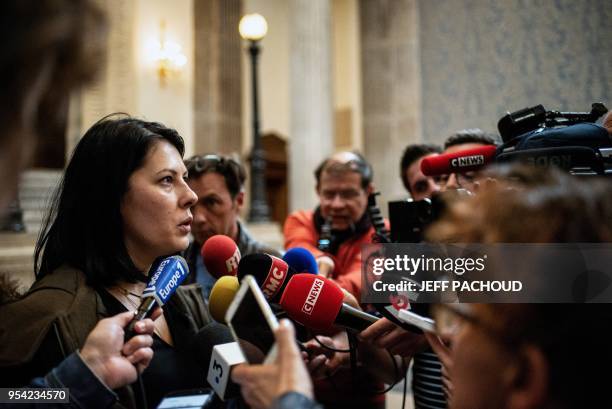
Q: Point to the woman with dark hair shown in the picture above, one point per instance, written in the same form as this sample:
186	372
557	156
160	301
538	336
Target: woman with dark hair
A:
528	355
123	202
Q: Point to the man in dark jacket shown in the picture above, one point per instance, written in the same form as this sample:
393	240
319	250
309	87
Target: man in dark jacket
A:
218	181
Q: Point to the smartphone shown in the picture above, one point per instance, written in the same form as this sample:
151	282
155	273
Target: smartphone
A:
191	399
252	323
423	323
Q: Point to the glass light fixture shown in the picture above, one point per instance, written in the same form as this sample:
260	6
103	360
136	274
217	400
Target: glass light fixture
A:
253	27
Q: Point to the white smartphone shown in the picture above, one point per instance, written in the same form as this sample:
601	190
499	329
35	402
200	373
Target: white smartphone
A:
422	323
252	322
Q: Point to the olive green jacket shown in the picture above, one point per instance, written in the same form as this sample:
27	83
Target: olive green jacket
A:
62	302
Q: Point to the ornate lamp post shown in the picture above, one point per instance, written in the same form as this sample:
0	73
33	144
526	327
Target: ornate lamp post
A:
253	27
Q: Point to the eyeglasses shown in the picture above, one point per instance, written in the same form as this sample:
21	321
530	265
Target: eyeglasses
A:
464	180
451	319
204	163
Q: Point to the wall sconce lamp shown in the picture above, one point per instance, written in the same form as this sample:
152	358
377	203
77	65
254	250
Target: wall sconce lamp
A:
168	57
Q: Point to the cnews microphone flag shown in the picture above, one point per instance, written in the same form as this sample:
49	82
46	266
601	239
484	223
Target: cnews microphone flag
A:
458	162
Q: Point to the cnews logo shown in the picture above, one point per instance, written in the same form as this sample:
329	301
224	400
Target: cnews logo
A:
464	161
311	299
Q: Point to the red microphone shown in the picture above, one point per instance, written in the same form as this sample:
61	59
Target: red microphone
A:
458	162
316	303
221	256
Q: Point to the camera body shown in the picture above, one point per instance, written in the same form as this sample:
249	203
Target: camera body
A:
567	140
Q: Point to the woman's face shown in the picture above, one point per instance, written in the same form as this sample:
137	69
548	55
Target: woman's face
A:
156	207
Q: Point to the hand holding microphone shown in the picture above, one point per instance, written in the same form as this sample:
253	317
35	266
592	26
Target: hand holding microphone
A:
115	362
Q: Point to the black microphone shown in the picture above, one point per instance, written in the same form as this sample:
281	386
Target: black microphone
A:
271	273
214	348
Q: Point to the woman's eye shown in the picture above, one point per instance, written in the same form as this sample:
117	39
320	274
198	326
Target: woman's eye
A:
167	179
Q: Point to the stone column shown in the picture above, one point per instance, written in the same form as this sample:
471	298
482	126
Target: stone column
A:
218	76
311	97
113	90
390	66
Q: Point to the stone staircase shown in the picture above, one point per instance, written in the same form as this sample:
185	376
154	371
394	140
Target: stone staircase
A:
17	249
35	194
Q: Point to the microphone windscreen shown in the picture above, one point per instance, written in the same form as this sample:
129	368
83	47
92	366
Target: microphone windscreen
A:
221	296
461	161
221	256
165	276
313	301
270	272
206	338
301	260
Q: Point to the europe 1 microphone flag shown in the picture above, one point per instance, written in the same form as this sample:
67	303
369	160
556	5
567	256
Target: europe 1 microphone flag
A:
165	277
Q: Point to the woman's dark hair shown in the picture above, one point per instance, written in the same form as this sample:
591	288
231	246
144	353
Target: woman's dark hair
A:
84	225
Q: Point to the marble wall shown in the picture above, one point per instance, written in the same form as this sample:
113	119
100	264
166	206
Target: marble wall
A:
481	58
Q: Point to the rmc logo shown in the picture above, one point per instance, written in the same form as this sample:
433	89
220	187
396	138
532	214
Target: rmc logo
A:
275	278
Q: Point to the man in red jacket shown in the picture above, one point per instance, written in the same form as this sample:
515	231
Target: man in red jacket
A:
334	232
336	229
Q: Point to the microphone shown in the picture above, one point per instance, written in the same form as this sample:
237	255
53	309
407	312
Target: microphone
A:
271	273
221	296
458	162
316	302
215	350
221	256
301	260
165	277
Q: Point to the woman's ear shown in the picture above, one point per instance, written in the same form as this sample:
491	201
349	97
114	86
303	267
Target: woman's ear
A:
528	383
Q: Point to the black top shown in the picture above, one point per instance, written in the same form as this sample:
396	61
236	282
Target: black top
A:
172	368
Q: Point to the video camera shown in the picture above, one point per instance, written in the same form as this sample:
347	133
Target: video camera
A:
568	140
